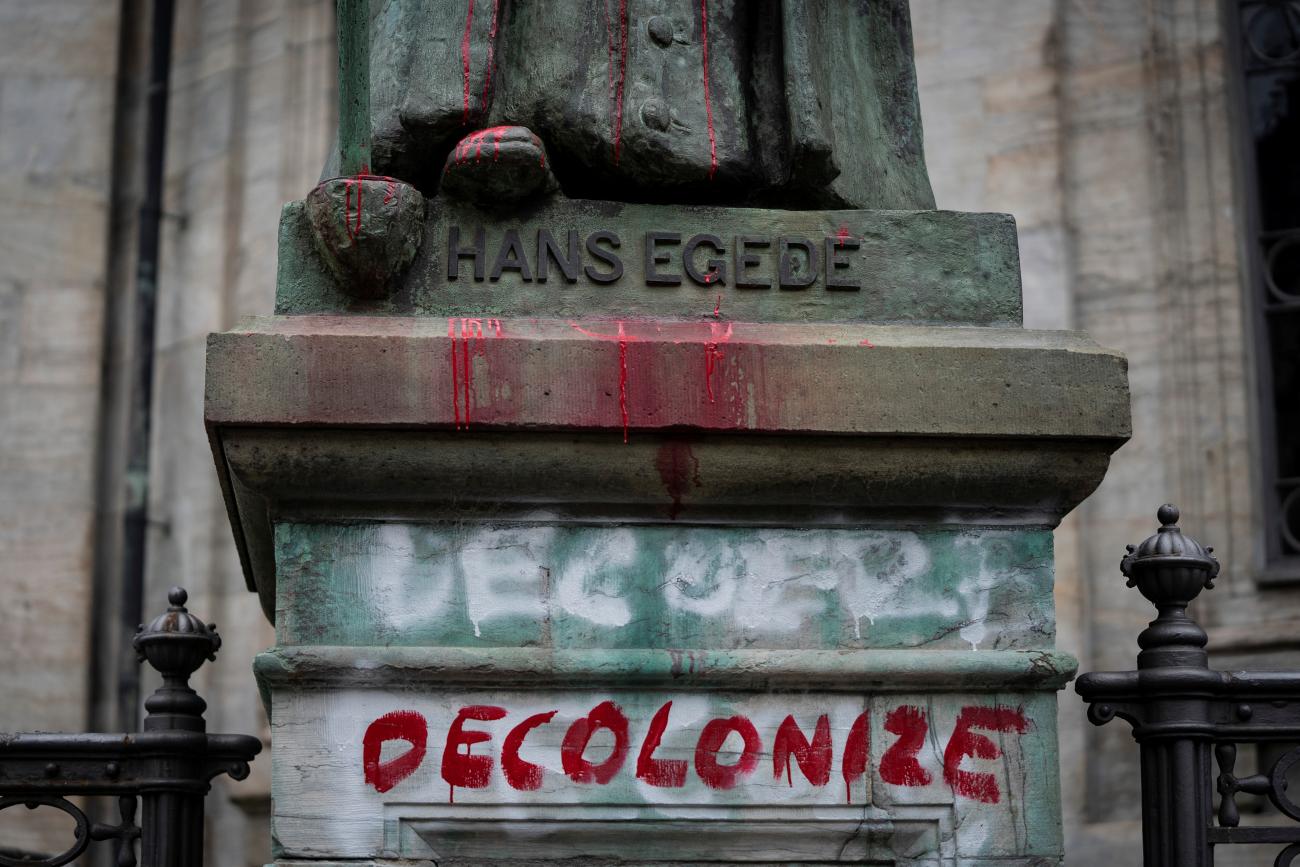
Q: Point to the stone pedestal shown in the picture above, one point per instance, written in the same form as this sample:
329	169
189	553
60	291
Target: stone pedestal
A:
644	571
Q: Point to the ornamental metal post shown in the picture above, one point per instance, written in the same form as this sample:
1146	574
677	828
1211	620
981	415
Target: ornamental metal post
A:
1182	711
169	766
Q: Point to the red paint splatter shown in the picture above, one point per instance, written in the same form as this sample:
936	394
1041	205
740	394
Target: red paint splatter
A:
617	79
715	733
964	742
464	56
856	750
522	775
842	235
867	343
605	715
708	99
713	355
678	468
400	725
899	766
491	53
462	769
814	759
664	773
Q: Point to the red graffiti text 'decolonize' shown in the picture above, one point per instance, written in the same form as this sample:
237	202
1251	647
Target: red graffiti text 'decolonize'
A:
718	762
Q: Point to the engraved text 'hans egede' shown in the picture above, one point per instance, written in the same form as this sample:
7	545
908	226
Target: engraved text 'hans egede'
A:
664	258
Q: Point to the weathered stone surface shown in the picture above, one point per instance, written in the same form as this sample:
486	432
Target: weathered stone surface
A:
711	376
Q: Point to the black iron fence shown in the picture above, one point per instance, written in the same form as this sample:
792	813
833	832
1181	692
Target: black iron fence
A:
168	767
1186	716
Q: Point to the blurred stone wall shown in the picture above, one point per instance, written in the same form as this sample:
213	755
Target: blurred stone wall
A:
1101	124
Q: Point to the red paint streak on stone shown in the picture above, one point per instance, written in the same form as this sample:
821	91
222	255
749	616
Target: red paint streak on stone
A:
455	376
522	775
856	750
843	234
620	78
400	725
468	373
867	343
462	769
622	379
353	225
708	99
717	776
605	715
464	57
495	325
623	339
899	766
491	53
965	742
814	759
717	308
664	773
496	143
390	191
678	468
713	355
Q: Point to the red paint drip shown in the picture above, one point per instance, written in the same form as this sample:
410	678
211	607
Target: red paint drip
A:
622	378
623	340
717	308
491	52
708	99
464	57
712	354
455	376
621	78
678	469
609	55
351	223
496	143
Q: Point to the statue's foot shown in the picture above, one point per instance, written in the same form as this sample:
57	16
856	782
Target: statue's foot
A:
500	164
367	228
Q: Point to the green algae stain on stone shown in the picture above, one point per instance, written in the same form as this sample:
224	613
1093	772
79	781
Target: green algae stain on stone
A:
616	587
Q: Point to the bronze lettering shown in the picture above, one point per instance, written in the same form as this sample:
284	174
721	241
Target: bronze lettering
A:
791	276
548	251
836	261
654	258
716	275
746	260
455	253
609	257
511	257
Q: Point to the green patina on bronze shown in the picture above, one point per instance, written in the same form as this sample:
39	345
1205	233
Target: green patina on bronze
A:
574	587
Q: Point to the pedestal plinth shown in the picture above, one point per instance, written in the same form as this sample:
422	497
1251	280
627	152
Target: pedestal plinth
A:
653	590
